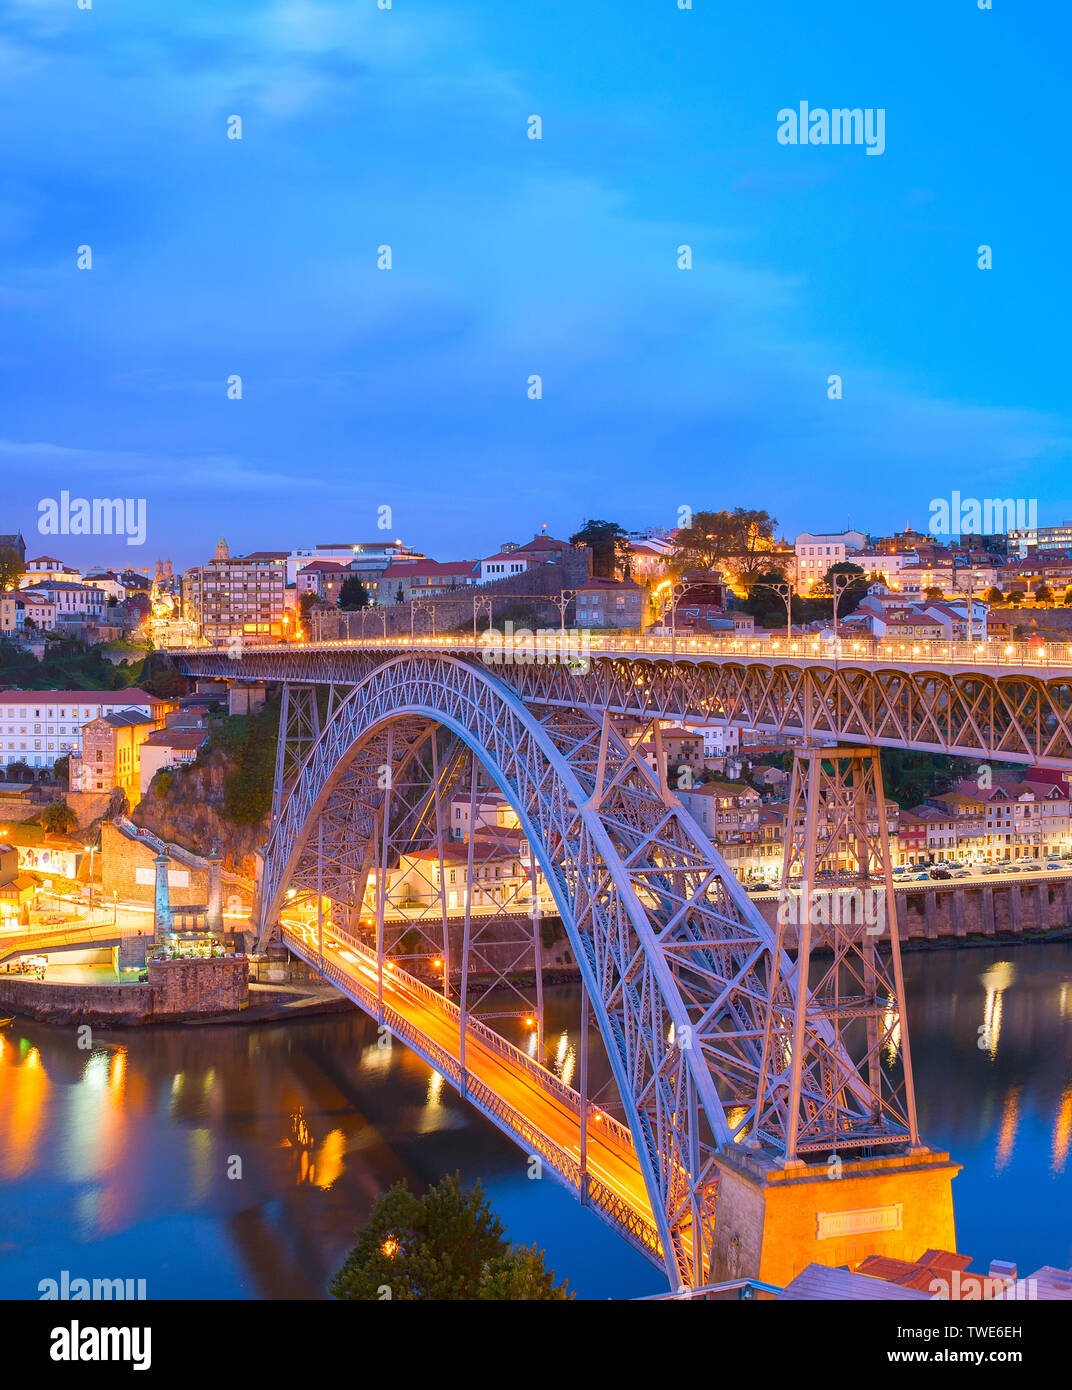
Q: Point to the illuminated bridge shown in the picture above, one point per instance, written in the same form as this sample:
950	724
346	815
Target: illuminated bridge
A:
736	1092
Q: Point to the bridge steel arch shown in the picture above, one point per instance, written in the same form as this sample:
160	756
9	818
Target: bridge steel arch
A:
679	966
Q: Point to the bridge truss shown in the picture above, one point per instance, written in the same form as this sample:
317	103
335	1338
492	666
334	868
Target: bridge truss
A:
709	1038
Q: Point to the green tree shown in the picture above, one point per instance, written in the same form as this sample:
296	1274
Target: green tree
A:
59	819
738	542
11	567
609	545
1043	594
993	595
932	591
353	595
445	1245
247	788
850	596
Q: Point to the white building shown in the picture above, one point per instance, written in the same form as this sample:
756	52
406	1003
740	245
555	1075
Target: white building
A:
816	553
39	726
71	600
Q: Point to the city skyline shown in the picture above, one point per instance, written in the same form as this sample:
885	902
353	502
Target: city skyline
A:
511	257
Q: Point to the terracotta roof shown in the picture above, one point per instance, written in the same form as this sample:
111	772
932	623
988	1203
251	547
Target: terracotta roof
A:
179	739
133	696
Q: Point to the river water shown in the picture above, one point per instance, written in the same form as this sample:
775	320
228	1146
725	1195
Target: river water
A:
124	1161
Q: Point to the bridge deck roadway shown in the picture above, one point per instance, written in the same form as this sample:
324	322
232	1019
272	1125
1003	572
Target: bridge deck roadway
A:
527	1102
1047	660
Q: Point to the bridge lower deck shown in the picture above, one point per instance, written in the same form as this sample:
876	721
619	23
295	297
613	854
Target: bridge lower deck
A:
527	1102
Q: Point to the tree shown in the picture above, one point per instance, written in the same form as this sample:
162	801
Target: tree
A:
993	595
11	567
59	819
61	768
609	545
444	1245
353	595
932	591
19	771
1016	596
1043	594
850	596
766	605
738	541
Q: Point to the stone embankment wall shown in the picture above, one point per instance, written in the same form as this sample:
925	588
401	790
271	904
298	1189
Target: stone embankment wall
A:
952	911
177	990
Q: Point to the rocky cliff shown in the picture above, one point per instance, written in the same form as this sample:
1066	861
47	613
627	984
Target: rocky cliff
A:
190	813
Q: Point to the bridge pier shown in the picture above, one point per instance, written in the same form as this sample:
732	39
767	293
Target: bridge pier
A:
771	1222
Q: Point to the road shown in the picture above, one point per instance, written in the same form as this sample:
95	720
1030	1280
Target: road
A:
532	1096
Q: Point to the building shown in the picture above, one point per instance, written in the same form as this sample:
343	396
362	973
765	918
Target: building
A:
361	557
174	746
323	578
41	851
613	603
519	559
502	875
816	553
44	567
491	812
241	597
73	602
110	754
16	543
406	580
39	726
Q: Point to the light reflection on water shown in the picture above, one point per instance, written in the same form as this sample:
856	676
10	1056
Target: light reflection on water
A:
235	1162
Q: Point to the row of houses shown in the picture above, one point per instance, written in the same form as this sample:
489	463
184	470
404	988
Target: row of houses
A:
110	738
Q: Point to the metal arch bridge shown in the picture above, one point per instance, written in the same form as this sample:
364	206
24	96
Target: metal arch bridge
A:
709	1039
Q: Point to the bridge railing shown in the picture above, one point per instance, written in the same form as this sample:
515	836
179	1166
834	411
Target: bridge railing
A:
497	1043
575	643
641	1231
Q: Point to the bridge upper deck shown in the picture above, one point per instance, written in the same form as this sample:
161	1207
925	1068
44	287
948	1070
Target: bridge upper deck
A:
1007	701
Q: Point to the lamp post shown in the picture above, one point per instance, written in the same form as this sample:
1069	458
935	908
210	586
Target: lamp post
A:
482	603
91	851
565	598
382	615
840	583
418	605
785	592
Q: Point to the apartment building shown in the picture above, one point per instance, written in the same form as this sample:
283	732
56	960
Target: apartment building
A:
816	553
110	754
39	726
236	597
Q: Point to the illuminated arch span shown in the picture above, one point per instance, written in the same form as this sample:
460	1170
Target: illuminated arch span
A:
675	958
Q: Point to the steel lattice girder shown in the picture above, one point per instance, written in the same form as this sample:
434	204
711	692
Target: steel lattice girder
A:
1014	717
675	957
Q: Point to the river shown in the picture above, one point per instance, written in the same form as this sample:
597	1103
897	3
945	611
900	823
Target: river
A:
235	1162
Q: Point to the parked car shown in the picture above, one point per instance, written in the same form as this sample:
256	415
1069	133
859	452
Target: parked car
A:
940	873
961	873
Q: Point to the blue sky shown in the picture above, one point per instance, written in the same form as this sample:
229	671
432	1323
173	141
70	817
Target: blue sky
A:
662	388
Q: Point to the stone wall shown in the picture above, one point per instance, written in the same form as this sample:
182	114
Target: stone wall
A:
121	858
951	911
185	987
177	990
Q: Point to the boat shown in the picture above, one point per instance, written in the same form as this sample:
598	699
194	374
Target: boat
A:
5	1021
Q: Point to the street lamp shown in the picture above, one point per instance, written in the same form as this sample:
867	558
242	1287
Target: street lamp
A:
418	605
840	583
91	851
482	603
785	591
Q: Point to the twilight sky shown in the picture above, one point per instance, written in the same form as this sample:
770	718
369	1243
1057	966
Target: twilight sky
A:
407	388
